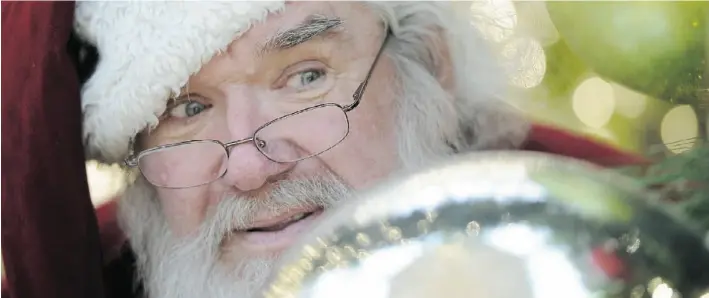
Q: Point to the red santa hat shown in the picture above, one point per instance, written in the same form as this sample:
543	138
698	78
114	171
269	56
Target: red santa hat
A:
148	51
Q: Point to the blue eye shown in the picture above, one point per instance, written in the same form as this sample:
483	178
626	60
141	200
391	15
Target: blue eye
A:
305	78
310	76
188	109
194	108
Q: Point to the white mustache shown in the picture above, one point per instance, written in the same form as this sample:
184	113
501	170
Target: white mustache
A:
237	212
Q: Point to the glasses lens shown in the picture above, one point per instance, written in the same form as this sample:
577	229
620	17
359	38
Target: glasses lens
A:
303	135
186	165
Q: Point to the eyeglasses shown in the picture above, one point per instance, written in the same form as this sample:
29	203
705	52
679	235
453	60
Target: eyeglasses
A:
290	138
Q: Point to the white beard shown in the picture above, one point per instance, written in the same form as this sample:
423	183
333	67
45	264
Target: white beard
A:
194	266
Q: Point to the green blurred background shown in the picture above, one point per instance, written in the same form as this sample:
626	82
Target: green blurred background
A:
577	79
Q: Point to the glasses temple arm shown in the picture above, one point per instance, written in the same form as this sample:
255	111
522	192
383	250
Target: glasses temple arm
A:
357	96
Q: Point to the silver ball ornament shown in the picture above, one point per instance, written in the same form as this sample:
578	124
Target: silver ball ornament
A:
498	225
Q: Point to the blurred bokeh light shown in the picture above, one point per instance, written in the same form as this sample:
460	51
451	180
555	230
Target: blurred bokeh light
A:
497	19
525	62
593	102
679	128
631	104
105	182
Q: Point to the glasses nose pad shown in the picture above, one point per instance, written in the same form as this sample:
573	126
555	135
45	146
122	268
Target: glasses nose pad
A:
260	143
271	149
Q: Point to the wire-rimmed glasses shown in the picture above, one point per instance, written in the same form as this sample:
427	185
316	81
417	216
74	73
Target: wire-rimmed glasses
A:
290	138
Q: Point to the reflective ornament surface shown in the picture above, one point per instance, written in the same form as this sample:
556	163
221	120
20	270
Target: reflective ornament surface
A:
497	225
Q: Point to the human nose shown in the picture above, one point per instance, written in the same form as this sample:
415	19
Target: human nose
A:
247	168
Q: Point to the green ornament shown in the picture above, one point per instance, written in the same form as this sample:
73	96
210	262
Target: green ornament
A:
657	48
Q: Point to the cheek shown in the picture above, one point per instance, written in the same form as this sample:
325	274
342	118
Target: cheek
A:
368	154
374	139
184	209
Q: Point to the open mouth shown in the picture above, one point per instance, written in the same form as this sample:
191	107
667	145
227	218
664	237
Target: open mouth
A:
283	224
275	233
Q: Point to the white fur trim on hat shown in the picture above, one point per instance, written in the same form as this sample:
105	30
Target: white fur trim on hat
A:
148	50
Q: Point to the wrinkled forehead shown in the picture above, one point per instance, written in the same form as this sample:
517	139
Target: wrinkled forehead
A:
299	24
296	15
302	18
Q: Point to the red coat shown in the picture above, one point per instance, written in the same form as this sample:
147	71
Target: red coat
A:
51	243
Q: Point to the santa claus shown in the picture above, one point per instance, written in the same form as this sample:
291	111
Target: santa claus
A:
243	122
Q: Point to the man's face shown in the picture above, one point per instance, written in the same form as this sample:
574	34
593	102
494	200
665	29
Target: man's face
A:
310	54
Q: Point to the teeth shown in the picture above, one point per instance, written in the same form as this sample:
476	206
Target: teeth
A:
298	216
280	225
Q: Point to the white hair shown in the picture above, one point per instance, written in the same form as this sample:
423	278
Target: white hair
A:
429	44
451	99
